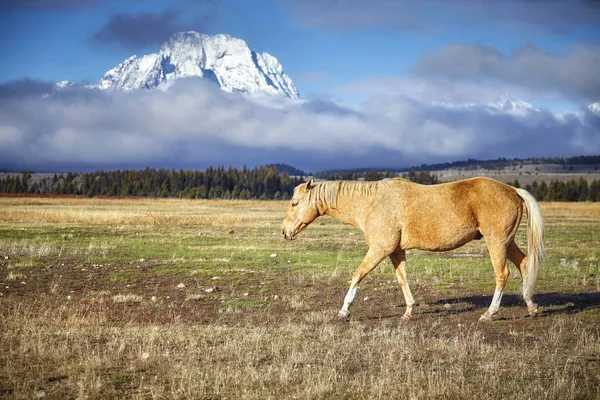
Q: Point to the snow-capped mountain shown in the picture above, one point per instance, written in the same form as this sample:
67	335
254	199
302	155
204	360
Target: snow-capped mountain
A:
225	60
504	105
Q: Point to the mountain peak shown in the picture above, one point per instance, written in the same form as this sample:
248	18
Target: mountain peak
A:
193	35
223	59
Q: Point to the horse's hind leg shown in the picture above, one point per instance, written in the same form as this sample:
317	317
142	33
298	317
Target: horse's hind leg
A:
498	256
373	257
517	257
399	261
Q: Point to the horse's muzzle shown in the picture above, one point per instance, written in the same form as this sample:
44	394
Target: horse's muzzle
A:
286	236
290	234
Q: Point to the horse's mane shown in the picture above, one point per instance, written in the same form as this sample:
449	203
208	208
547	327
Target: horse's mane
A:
326	193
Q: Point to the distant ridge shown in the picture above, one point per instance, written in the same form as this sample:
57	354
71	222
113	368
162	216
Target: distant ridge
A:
484	164
281	168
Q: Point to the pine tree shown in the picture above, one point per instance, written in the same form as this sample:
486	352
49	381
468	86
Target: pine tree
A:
582	190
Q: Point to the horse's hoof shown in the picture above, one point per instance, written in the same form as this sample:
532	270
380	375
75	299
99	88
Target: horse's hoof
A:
533	310
407	317
343	316
485	317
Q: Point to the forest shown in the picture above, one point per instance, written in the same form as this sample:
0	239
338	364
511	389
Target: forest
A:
263	183
213	183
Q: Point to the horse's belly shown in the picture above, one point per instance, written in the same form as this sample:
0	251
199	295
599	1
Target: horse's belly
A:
438	239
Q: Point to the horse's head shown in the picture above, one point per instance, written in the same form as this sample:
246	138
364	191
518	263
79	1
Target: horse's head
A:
301	211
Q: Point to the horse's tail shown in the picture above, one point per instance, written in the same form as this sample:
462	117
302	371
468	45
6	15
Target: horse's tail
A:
535	241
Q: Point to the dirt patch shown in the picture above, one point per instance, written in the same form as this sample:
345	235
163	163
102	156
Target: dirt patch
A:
259	297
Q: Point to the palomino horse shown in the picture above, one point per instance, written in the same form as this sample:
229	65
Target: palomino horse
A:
397	215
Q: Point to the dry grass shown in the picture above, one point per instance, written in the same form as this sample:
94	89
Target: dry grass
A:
27	252
13	276
104	212
125	298
579	210
72	352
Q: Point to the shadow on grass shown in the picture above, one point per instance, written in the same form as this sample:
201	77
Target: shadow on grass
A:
549	303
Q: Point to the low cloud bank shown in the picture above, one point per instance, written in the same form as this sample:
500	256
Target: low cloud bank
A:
193	124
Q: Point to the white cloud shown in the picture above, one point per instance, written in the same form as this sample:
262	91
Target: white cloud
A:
574	75
193	124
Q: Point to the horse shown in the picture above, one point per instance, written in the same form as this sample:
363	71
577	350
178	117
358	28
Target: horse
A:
396	215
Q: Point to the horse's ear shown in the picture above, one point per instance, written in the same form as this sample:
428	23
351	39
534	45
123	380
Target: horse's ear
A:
309	184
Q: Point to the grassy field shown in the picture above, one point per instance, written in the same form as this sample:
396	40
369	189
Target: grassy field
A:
203	299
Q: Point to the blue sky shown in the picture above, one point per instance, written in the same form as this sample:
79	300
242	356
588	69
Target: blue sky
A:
56	42
353	53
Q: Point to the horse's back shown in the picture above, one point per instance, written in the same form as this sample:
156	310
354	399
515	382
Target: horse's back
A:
480	191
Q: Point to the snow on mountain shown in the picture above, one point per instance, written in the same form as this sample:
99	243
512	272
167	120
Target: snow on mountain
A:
225	60
504	105
511	105
65	85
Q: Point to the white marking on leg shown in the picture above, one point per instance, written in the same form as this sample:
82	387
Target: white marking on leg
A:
531	307
344	312
495	306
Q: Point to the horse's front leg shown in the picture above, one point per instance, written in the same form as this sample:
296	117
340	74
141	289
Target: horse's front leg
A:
371	260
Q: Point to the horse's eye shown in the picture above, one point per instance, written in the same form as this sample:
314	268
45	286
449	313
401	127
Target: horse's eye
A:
294	203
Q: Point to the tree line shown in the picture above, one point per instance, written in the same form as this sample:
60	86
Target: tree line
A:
213	183
571	190
423	177
264	183
500	163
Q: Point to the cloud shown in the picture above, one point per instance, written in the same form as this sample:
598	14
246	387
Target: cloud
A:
139	30
430	89
24	88
549	15
135	31
44	5
473	73
193	124
575	75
